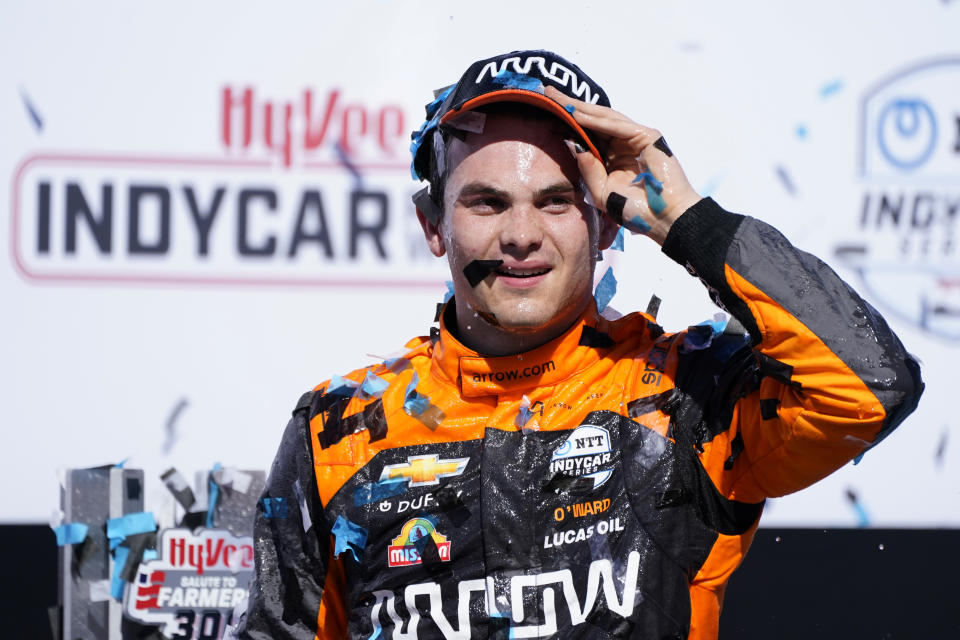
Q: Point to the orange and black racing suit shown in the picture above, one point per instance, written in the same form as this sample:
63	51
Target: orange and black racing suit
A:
606	484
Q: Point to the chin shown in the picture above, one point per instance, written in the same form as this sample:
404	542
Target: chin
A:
525	321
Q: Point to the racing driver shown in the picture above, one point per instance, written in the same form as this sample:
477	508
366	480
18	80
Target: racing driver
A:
537	466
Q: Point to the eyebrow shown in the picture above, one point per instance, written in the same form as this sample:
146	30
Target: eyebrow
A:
481	188
559	187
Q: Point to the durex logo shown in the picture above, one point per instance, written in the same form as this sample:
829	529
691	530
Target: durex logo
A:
906	250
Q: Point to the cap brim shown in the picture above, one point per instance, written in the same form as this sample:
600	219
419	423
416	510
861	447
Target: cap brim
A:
531	98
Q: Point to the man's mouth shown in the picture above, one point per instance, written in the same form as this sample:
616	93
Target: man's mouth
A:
516	272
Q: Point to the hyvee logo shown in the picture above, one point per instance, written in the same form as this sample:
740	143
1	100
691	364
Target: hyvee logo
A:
195	583
906	250
426	470
314	190
330	126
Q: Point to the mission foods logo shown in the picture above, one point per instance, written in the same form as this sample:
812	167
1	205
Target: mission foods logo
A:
586	453
407	548
312	190
906	251
194	584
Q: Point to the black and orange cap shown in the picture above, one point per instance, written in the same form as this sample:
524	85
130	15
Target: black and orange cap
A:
518	76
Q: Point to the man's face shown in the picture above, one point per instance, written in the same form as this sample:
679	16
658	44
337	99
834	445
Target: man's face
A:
511	194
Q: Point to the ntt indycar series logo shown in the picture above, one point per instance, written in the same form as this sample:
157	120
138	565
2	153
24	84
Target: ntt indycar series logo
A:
415	536
310	189
586	453
193	586
907	251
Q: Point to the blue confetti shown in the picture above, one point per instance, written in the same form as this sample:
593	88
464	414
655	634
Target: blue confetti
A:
377	491
374	386
71	533
700	336
396	365
717	324
341	386
637	224
345	160
618	241
518	81
275	508
429	125
117	582
653	188
523	417
785	180
449	294
433	106
569	108
31	110
831	88
415	403
130	525
801	131
648	178
348	537
213	489
863	518
654	200
606	289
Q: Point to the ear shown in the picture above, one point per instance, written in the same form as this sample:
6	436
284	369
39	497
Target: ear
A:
608	231
431	231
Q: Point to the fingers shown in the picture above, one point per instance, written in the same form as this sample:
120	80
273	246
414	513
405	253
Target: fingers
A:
592	171
641	185
606	121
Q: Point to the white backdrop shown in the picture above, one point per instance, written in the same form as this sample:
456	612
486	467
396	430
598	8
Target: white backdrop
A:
837	122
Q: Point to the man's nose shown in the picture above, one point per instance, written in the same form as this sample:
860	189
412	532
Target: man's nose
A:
521	229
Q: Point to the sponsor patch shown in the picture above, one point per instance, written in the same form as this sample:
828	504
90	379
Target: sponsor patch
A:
586	453
416	536
424	470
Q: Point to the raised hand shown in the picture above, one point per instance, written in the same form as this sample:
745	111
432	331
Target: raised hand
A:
642	186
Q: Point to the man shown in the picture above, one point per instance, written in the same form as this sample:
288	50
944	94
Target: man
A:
533	468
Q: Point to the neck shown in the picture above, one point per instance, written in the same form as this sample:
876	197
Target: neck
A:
483	334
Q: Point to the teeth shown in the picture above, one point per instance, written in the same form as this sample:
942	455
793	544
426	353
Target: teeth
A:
521	273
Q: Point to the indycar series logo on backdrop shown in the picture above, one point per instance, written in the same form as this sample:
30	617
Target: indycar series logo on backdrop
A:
906	250
310	190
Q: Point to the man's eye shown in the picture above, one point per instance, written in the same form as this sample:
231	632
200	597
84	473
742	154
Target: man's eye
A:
487	204
557	204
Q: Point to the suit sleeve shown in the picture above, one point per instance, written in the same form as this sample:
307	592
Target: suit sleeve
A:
830	377
296	592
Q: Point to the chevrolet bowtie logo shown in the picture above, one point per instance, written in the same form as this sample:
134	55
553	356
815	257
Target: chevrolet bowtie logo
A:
424	470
